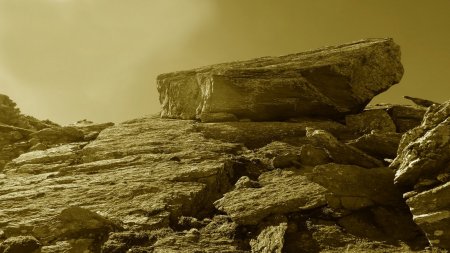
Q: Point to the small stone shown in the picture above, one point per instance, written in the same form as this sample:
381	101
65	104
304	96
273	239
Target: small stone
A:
91	136
193	234
76	222
286	161
312	156
246	182
190	222
20	244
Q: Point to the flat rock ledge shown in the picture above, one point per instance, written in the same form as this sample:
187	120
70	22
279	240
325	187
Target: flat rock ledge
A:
329	82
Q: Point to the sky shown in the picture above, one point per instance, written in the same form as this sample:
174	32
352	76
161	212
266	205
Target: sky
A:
68	60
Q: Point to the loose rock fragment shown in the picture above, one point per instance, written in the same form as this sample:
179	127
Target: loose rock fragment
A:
20	244
281	192
270	239
340	152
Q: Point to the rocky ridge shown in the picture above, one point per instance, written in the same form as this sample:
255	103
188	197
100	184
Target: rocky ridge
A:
223	181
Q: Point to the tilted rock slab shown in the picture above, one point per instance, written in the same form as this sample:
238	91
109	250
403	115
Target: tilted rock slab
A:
423	165
282	192
331	82
354	187
424	150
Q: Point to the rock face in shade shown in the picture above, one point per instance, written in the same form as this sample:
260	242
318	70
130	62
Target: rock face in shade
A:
405	117
423	168
369	120
330	82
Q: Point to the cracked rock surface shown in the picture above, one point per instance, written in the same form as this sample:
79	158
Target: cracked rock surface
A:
331	82
322	173
423	171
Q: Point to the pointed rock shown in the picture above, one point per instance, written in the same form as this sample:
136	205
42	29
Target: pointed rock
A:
421	101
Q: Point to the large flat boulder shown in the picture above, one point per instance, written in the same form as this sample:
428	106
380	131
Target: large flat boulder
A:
330	82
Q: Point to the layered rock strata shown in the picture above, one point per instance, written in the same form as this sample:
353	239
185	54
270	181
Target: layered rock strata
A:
329	82
423	172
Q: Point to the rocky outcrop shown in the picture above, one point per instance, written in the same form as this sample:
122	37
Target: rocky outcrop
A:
423	169
143	177
10	115
230	183
330	82
16	130
20	133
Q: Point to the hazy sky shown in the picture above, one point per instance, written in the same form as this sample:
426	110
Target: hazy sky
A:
98	59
